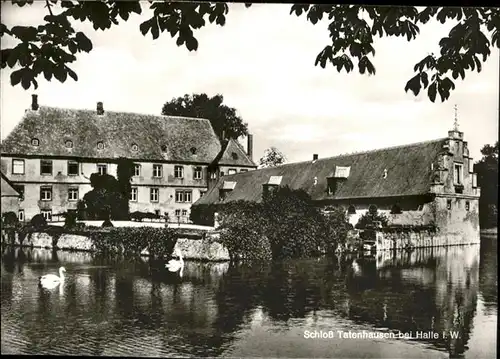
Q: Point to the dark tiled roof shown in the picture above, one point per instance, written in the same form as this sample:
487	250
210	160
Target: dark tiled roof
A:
118	131
7	189
234	155
408	173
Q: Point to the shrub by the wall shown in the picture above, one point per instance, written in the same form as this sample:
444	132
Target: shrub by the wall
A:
295	226
285	225
38	221
336	228
368	219
203	214
242	231
70	219
9	219
107	223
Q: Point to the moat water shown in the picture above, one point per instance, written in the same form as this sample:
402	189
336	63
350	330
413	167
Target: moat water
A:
429	303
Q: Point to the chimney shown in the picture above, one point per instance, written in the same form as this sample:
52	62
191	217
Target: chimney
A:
250	146
100	108
34	102
315	157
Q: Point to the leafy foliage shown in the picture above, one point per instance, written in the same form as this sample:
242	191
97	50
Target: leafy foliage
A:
285	225
105	200
38	221
241	231
396	209
225	122
131	241
70	219
124	173
49	47
487	180
203	214
353	28
272	157
367	220
9	219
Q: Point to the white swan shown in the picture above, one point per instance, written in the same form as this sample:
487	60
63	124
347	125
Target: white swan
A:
50	281
174	265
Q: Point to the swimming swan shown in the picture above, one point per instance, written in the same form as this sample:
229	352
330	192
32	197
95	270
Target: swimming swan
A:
51	280
174	265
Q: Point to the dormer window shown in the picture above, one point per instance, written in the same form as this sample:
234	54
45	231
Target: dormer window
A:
193	150
342	172
135	148
227	187
164	148
331	185
222	195
68	144
100	145
234	155
272	185
35	142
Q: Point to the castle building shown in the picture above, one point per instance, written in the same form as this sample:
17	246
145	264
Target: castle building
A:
423	183
52	152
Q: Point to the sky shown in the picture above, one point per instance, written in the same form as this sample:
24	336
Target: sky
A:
262	62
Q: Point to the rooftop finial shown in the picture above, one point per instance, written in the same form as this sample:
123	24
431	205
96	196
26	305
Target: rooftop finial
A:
455	123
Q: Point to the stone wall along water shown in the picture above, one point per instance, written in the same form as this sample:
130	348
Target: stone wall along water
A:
419	239
199	249
202	249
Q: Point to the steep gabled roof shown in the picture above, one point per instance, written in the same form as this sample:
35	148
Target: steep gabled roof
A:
408	173
232	154
8	189
156	137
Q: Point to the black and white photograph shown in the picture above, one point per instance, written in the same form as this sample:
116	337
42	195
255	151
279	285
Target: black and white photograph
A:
249	180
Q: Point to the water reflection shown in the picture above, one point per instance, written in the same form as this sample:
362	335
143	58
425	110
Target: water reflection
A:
130	308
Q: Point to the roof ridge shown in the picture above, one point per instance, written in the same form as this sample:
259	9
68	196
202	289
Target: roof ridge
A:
362	152
8	181
242	149
121	112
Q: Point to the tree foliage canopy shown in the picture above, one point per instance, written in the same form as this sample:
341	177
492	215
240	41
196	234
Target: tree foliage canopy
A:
487	179
286	224
272	157
105	200
49	47
224	119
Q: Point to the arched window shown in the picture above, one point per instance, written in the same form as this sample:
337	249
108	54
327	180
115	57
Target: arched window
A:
351	209
100	145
